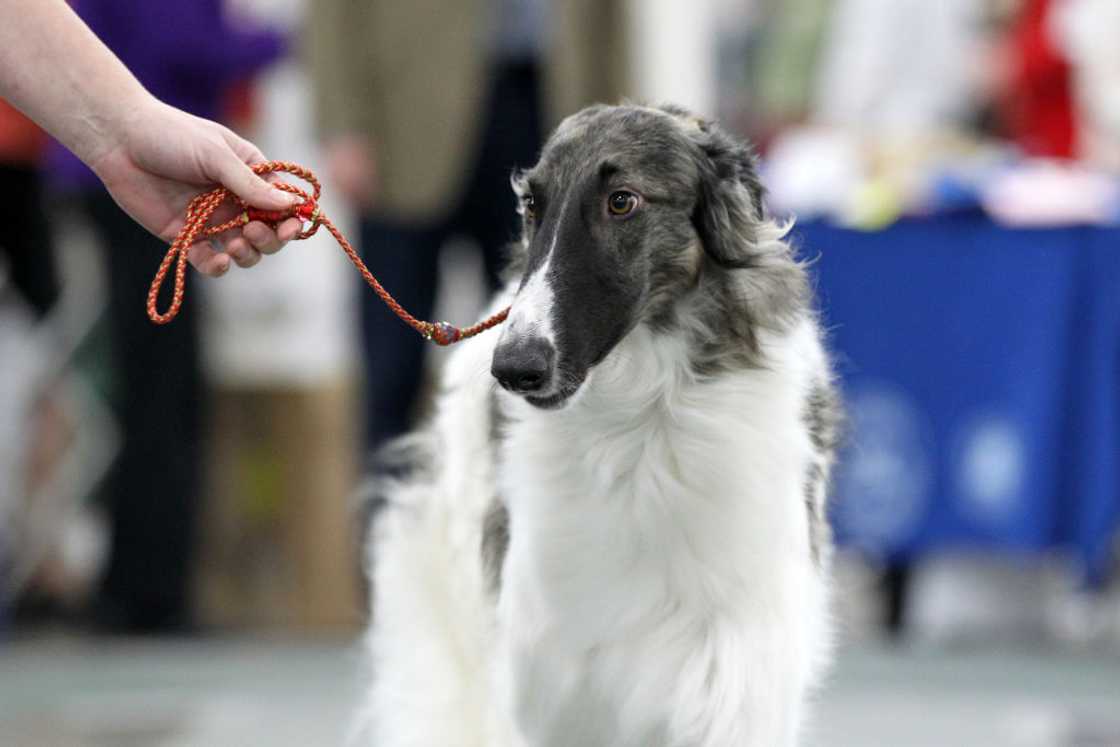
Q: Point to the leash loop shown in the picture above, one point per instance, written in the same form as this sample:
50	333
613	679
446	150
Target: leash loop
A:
195	229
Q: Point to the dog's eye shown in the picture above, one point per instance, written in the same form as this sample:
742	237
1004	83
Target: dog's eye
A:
622	203
529	207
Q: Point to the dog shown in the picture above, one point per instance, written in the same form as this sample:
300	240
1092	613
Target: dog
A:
613	530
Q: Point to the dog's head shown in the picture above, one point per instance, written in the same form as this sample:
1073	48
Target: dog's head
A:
625	211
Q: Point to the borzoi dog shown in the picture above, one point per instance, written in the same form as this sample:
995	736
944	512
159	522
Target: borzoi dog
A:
615	533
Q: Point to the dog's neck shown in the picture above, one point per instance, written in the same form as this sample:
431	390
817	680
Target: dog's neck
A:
641	378
655	467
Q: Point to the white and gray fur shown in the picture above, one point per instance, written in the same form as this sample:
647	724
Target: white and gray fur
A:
624	544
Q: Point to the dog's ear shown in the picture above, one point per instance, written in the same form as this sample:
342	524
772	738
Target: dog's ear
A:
517	251
729	201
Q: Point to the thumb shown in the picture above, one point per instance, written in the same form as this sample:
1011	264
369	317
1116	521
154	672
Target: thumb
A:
236	176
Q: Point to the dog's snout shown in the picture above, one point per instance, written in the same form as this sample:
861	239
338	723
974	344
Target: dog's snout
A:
524	366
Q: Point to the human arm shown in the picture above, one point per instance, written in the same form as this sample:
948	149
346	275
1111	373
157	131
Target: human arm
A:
152	158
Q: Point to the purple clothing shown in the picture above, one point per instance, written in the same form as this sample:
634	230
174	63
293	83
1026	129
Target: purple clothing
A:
186	53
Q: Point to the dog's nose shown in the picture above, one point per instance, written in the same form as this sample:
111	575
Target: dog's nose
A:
524	365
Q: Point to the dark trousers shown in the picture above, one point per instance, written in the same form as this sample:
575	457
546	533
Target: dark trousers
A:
152	490
405	257
25	244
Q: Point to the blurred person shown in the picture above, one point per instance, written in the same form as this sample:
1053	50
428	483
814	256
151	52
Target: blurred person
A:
188	55
425	108
1036	103
28	292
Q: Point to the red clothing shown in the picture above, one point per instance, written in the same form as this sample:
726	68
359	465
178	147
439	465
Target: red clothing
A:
1038	108
21	140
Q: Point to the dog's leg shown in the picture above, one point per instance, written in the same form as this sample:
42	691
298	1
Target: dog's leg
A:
746	685
433	613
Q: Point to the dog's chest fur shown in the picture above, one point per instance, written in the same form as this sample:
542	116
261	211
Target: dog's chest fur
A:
656	524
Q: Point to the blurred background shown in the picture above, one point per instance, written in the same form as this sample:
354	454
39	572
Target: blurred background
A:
180	531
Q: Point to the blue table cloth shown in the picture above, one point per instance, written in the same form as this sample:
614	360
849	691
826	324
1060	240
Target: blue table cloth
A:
981	367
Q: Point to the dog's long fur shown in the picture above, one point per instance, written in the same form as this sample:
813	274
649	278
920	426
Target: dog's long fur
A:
646	563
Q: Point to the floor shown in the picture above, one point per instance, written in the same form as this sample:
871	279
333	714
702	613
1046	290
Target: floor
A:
68	692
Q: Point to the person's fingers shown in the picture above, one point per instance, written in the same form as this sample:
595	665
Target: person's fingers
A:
263	238
236	176
248	153
289	229
243	252
207	261
244	149
227	211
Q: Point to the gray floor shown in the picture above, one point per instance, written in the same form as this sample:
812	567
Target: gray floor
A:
63	692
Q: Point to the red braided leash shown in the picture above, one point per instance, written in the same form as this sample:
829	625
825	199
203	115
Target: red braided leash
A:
201	208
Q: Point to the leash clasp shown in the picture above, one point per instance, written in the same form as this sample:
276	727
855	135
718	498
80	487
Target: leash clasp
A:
442	333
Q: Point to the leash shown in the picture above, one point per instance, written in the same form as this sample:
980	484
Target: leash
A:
202	208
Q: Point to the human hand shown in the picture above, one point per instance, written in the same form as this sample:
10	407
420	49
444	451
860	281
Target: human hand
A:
352	169
161	158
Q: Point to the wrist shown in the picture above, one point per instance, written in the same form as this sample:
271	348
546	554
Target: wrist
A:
108	118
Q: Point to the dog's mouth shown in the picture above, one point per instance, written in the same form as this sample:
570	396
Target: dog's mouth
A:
550	402
559	397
